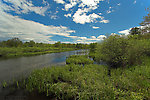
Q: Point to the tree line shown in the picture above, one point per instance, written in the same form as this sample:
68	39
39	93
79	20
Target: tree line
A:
16	42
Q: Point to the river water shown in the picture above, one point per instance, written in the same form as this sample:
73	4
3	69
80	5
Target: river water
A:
16	67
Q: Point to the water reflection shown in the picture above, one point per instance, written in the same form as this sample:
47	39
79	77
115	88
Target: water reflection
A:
16	67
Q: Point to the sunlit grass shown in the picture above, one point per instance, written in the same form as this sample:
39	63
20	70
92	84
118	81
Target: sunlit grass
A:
29	51
91	82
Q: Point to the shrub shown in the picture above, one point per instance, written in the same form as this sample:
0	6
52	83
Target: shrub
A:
112	51
119	51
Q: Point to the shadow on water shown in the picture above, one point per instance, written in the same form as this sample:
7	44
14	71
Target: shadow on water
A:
16	68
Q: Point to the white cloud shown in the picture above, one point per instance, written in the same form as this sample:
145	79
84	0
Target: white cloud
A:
82	15
95	27
101	37
109	10
104	21
60	1
92	39
67	15
23	6
53	16
134	2
13	26
70	5
125	32
119	4
113	34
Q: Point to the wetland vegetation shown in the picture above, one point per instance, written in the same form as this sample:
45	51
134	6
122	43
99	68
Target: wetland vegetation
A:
125	77
14	47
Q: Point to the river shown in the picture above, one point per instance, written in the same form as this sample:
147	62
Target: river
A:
17	67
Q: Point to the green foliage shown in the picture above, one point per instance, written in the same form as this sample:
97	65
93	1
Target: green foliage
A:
119	51
91	82
79	59
93	47
146	18
112	51
28	51
15	47
135	30
16	42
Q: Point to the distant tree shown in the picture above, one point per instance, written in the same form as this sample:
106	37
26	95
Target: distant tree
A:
146	19
146	23
135	30
93	47
79	45
57	44
29	44
14	42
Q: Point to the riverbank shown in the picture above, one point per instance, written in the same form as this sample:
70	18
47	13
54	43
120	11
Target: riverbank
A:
30	51
88	81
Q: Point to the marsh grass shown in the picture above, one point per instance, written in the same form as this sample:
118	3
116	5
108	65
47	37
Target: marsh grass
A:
91	82
79	59
29	51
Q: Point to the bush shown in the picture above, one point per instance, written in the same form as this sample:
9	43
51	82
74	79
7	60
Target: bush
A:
119	51
112	51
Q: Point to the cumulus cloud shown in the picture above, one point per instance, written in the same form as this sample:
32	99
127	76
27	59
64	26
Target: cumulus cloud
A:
125	32
92	39
13	26
23	6
67	15
101	37
82	15
95	27
104	21
60	1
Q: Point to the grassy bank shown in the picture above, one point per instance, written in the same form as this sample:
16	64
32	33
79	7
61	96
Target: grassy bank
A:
29	51
91	82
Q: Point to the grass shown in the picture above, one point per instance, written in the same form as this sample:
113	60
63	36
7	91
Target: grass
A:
92	82
79	59
29	51
80	79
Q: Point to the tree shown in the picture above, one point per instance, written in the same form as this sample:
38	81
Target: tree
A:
14	42
135	30
112	50
146	19
146	23
57	44
93	47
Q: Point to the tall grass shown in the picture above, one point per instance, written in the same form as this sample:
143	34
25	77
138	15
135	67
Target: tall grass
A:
79	59
91	82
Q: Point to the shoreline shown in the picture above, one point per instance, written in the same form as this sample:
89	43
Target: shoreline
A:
25	54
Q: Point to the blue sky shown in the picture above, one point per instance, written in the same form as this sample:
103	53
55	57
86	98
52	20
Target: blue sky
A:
69	21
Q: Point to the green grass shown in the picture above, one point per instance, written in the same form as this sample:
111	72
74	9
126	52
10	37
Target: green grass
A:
91	82
29	51
79	59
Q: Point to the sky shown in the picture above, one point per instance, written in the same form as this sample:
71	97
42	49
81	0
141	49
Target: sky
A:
69	21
